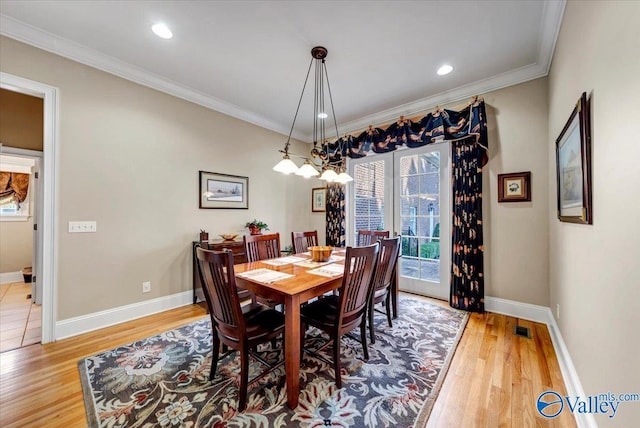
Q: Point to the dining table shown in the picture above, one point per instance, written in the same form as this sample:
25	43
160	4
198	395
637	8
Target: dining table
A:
292	281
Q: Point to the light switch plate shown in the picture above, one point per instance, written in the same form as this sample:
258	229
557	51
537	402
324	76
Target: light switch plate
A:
82	227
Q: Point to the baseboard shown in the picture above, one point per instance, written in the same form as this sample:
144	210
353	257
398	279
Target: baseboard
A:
8	277
543	315
90	322
569	373
525	311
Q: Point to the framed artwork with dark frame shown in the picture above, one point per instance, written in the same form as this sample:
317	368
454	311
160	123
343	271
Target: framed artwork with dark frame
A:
223	191
514	187
319	199
573	166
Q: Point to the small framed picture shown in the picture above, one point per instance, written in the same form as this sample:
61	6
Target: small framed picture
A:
223	191
318	199
514	187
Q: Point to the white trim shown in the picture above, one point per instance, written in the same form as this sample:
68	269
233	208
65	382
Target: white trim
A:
8	277
525	311
547	36
97	320
543	315
568	370
49	168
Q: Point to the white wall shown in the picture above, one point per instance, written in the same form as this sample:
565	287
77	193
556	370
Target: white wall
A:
593	269
16	243
129	158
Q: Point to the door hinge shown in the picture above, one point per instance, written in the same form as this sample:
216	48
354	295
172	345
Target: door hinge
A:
33	279
36	175
35	227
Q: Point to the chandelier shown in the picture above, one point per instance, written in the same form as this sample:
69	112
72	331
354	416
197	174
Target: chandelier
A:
319	158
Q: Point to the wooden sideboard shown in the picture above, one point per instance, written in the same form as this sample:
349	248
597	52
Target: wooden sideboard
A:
236	247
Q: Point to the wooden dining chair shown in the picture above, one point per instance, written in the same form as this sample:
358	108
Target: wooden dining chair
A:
338	315
240	328
262	247
368	237
301	241
384	275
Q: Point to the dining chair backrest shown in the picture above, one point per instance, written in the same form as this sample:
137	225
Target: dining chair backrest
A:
262	247
220	291
387	261
301	241
360	263
368	237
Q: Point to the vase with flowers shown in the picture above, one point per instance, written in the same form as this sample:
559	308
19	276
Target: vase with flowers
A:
256	226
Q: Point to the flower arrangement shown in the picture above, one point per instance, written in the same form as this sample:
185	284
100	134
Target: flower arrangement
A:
256	226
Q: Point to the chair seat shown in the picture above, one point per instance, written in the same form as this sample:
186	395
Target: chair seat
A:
380	293
323	311
263	322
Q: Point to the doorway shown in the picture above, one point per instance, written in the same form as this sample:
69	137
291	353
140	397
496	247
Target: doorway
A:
45	267
405	192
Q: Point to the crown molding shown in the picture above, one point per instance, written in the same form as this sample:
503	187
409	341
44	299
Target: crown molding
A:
548	34
34	36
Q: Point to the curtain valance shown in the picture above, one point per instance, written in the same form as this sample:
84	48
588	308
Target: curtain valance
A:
440	125
14	186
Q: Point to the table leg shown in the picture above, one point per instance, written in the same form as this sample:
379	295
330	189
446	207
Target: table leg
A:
292	349
394	294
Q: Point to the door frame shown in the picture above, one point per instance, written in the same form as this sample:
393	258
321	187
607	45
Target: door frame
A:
47	237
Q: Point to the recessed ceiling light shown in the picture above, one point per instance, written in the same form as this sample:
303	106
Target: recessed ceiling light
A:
161	30
445	69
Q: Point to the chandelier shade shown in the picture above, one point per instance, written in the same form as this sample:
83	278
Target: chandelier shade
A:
318	158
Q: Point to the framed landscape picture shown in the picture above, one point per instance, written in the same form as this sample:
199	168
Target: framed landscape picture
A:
223	191
514	187
573	166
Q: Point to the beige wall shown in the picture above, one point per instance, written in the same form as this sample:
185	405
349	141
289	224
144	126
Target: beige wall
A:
515	233
593	269
129	158
16	243
21	123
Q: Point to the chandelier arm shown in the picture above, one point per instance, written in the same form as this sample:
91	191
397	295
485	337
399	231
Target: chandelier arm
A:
335	123
286	147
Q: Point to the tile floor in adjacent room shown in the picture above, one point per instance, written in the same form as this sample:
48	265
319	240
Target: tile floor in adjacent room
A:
20	320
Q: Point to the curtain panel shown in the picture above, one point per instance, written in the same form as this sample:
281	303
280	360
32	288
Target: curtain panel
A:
14	186
467	131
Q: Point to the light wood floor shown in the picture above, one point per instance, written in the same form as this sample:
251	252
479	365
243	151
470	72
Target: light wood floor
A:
20	320
494	378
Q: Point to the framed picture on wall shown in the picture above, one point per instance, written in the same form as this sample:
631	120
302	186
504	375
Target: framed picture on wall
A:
514	187
223	191
573	166
318	199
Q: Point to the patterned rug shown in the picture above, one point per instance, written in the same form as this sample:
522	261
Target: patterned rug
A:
162	381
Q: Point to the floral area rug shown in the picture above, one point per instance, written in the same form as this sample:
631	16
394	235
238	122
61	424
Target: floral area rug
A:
163	380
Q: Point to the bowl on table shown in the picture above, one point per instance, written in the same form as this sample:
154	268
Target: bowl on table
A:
320	253
229	236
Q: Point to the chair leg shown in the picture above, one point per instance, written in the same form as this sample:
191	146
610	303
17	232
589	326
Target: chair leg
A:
336	361
388	308
372	334
215	352
244	378
363	338
303	330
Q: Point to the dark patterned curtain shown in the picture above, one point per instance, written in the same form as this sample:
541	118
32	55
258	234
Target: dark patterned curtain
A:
335	215
467	131
467	250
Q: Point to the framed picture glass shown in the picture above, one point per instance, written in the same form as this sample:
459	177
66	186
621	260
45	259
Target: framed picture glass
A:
573	166
223	191
514	187
318	199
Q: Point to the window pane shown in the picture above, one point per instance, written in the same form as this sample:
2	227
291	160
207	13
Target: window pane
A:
430	270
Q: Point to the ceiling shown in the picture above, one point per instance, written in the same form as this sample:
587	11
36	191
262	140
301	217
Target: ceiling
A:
248	59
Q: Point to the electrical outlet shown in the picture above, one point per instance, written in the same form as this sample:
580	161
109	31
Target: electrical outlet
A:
558	310
82	227
146	286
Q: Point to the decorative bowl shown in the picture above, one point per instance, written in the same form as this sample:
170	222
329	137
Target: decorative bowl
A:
320	253
229	236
